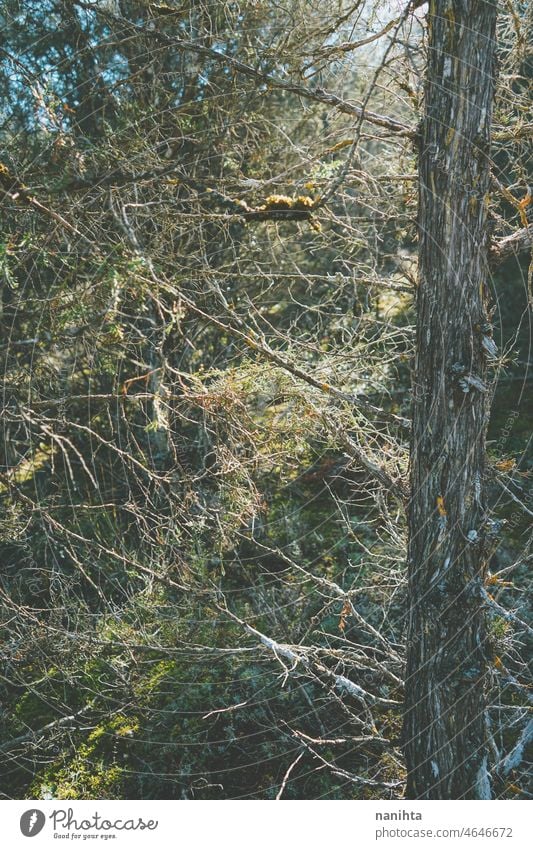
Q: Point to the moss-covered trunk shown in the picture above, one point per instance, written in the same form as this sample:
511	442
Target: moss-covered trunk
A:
445	734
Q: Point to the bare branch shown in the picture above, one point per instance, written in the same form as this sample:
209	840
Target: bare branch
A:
512	246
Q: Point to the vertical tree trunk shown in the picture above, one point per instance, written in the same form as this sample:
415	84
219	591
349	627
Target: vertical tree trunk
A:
444	731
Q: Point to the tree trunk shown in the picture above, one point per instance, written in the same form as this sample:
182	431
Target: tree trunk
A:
447	655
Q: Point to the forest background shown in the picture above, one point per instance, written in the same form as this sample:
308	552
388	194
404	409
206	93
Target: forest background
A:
208	270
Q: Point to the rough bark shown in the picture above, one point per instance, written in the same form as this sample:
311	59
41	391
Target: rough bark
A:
447	662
